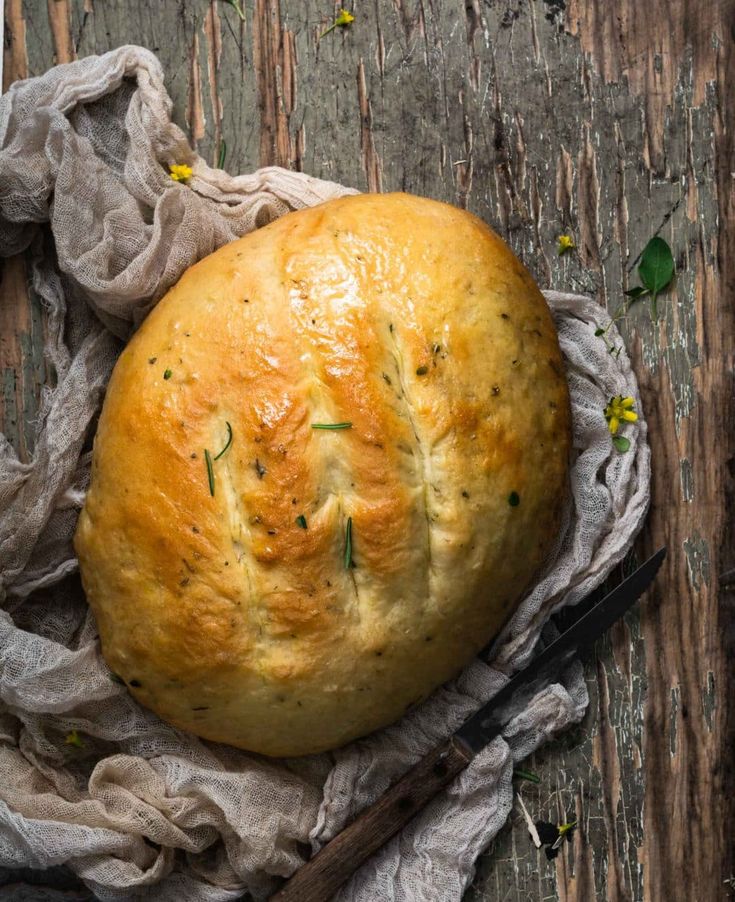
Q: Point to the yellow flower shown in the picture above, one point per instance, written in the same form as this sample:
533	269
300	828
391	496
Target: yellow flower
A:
619	410
344	18
180	172
565	244
74	739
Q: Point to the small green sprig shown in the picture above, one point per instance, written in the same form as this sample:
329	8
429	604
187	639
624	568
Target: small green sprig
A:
301	520
210	471
656	270
237	6
331	425
343	20
209	460
228	443
349	563
520	774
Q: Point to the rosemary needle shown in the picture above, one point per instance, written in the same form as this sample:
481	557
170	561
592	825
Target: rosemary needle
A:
210	471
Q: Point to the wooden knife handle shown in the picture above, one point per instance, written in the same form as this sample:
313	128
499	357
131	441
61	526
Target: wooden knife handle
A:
320	878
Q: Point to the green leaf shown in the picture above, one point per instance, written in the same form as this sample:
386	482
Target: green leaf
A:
222	154
621	443
599	332
638	292
656	268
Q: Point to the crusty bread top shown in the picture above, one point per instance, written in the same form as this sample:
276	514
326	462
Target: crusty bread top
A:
410	320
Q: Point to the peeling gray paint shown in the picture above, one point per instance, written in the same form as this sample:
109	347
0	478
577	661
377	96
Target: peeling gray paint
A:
10	422
698	562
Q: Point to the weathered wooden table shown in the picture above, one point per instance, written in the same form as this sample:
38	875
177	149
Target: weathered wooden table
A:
609	121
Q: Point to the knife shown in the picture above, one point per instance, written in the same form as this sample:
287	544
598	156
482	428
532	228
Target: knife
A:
320	878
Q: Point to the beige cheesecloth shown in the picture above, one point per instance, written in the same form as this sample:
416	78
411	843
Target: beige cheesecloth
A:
143	811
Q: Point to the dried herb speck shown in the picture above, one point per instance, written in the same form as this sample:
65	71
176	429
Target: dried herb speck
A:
167	374
514	499
301	520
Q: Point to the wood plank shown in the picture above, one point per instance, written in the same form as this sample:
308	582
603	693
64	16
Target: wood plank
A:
607	121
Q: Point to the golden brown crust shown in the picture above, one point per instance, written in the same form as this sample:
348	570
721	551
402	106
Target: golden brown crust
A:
411	320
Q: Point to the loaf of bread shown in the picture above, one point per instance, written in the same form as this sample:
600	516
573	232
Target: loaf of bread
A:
328	465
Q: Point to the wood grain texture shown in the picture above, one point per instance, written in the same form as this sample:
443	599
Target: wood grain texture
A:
605	120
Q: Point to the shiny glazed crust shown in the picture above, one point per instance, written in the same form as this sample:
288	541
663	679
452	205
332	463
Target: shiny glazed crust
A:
412	321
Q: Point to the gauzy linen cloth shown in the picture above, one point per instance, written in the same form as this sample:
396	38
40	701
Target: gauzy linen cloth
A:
142	810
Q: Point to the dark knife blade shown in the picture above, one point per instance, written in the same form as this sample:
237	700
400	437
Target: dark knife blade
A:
488	722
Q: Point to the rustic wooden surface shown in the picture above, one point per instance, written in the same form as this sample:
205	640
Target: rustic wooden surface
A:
606	119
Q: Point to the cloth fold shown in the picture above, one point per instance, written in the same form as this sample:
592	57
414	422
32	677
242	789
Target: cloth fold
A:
142	810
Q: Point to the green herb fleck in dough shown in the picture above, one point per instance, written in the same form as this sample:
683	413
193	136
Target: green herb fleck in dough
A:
228	442
348	545
514	499
210	471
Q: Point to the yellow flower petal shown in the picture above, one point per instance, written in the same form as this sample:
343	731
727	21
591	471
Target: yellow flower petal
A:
630	416
344	18
627	402
565	243
180	172
614	424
